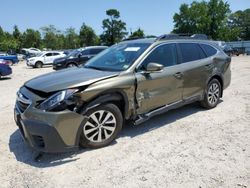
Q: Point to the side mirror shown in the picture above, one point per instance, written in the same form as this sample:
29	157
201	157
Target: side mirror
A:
154	67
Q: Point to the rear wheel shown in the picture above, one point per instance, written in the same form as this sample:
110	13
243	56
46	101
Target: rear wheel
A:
102	127
71	65
212	94
39	64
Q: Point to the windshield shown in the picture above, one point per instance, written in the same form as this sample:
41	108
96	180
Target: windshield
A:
118	57
74	53
40	54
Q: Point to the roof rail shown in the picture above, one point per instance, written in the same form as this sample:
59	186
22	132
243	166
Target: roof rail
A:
133	38
182	36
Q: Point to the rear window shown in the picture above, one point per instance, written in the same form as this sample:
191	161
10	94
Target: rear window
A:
209	50
191	52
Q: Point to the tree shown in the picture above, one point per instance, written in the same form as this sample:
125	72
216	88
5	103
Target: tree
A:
193	19
17	35
31	38
50	39
240	20
137	34
87	36
218	12
208	18
114	28
71	39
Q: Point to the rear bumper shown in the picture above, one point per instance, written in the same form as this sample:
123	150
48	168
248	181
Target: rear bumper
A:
49	134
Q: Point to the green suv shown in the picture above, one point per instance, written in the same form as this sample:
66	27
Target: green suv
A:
133	80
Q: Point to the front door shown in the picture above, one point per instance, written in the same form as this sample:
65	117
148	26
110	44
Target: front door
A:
48	58
157	89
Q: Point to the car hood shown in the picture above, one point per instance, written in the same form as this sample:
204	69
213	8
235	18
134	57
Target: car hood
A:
68	78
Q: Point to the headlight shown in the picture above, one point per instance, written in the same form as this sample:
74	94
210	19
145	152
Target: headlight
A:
56	99
31	59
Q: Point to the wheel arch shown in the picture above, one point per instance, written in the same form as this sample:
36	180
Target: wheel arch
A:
115	96
220	79
71	62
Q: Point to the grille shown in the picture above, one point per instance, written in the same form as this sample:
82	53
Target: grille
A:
22	106
22	102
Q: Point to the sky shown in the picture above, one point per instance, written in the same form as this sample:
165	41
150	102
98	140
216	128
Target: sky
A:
155	17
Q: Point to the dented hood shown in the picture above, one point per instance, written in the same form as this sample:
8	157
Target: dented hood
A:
68	78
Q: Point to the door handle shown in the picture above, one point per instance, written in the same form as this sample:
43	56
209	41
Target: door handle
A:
178	75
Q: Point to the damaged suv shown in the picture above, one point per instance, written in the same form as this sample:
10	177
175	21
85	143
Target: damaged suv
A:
133	80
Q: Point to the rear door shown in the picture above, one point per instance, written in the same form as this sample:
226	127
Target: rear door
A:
157	89
197	68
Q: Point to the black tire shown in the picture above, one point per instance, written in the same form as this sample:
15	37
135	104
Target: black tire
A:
70	65
212	96
39	64
86	141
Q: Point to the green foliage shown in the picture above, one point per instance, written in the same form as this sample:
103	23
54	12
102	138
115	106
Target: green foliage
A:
71	39
31	38
137	34
209	18
240	20
50	39
114	28
87	36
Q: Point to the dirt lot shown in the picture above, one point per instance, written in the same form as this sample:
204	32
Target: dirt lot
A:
188	147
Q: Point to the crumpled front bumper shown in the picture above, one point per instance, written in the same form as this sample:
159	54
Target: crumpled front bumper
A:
49	132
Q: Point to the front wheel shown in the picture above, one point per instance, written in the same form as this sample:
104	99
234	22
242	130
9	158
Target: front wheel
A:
70	65
212	94
102	127
39	64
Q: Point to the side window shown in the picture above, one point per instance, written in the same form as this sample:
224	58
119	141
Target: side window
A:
191	52
55	54
209	50
85	52
48	54
164	54
95	51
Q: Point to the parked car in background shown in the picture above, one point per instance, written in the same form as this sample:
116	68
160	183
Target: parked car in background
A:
6	62
5	70
30	51
12	58
44	58
228	50
133	80
77	57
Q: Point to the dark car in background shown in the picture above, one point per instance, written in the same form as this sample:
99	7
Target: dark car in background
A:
5	70
77	57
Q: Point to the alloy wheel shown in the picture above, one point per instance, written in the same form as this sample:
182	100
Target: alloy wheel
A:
213	93
100	126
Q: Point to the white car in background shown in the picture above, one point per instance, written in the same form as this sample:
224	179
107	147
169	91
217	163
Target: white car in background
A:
27	51
44	58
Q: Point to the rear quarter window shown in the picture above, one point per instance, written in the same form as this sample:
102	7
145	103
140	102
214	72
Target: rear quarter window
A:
191	52
209	50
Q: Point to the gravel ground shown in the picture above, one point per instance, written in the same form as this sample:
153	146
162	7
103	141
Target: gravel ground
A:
187	147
